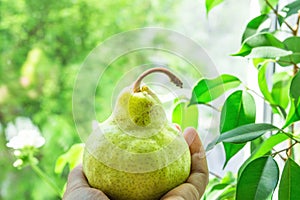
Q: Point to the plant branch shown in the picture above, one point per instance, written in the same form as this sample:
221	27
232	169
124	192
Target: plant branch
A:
45	178
295	32
285	149
255	93
277	14
211	106
215	175
272	105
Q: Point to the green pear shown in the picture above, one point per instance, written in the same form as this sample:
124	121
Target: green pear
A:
137	153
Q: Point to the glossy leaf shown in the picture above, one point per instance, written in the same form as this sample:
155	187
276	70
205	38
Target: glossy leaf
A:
258	40
291	44
185	115
291	8
253	25
254	144
280	89
207	90
290	181
221	188
246	133
230	150
239	109
293	115
268	52
265	148
280	19
277	102
262	82
265	8
73	157
295	87
258	180
210	4
294	112
268	145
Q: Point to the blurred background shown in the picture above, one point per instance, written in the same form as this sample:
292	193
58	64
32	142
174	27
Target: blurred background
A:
44	43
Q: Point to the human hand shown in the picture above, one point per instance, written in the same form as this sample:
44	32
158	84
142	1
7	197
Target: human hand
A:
196	183
192	189
78	187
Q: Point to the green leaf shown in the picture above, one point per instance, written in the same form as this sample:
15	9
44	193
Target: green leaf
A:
246	133
291	44
221	191
265	8
278	97
230	150
258	180
291	8
264	148
262	82
207	90
239	109
253	25
280	19
72	157
280	89
210	4
254	144
258	40
293	115
185	115
268	145
221	188
268	52
290	181
295	87
294	112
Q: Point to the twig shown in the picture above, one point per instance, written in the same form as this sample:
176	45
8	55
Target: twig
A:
277	14
216	175
295	32
255	93
272	105
285	149
211	106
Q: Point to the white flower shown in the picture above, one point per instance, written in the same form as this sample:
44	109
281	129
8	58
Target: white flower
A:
10	131
18	163
24	133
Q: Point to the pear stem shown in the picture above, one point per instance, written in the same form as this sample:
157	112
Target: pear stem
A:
174	79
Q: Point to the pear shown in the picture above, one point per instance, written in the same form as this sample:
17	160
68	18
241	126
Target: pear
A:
137	153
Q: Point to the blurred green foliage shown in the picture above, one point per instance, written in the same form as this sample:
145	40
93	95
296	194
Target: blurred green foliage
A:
43	44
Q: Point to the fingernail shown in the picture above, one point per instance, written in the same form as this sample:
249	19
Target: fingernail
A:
190	138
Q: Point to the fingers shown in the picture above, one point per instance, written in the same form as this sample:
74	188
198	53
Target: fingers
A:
76	178
78	187
196	183
199	174
185	191
199	170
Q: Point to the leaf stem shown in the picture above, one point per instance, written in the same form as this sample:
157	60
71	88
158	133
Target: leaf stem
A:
211	106
277	14
215	175
45	178
295	32
255	93
285	149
